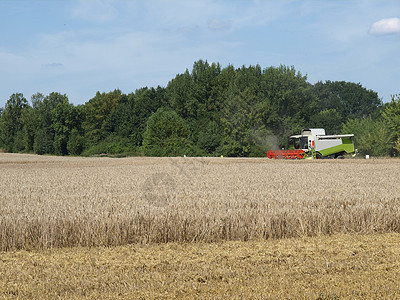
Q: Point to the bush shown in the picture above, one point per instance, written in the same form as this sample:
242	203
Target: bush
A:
75	143
112	145
18	143
211	138
371	137
175	147
94	149
166	135
43	142
60	145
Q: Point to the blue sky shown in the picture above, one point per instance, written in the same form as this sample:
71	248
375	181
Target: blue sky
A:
81	47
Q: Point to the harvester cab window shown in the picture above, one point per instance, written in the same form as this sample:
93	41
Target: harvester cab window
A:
304	142
296	143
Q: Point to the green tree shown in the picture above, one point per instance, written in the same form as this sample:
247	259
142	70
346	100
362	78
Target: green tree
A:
391	114
277	102
75	143
192	94
147	102
180	95
44	141
60	144
127	123
288	99
289	92
350	100
244	131
197	96
371	136
119	121
97	111
329	119
45	134
65	118
211	137
11	123
31	122
166	135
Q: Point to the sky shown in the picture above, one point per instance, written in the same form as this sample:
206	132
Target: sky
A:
79	47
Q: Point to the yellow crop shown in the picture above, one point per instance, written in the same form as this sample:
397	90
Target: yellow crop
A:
49	202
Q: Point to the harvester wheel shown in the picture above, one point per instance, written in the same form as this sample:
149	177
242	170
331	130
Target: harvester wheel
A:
318	155
340	157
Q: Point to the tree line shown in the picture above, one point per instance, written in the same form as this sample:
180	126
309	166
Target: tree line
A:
208	111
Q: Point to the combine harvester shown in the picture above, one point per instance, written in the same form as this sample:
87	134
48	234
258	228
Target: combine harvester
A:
313	143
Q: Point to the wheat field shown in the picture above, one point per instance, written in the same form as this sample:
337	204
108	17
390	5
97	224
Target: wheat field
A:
209	228
53	202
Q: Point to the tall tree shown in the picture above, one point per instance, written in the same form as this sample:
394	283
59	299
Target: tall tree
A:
147	102
280	99
65	118
166	135
245	133
97	110
11	123
290	99
196	96
329	119
350	100
391	114
129	118
31	120
46	133
371	136
180	93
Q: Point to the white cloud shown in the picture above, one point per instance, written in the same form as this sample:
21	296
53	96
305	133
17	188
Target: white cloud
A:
97	11
385	26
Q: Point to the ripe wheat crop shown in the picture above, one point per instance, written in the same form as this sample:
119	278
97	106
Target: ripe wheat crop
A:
49	202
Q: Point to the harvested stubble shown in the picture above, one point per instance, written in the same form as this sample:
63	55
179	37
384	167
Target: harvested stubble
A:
324	267
63	201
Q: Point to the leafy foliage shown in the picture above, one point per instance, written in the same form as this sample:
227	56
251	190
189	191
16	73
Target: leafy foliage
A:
328	119
97	110
397	145
75	143
371	136
208	110
166	135
350	100
11	123
391	114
